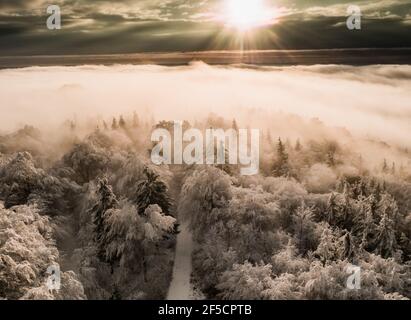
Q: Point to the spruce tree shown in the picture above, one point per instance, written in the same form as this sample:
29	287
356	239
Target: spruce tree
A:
364	225
281	166
349	247
122	123
329	248
106	200
386	241
114	124
332	210
152	190
345	219
303	225
386	236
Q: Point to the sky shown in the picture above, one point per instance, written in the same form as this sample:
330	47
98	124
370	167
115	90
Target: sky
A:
132	26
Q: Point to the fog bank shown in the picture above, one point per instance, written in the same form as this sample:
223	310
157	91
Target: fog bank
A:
372	101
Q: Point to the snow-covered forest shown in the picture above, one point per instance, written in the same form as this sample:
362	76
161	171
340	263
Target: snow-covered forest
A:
90	200
78	188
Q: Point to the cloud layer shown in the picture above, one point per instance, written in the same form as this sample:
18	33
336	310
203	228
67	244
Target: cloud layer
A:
370	101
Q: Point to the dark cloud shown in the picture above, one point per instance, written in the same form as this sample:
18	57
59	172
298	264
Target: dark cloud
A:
12	3
19	4
127	26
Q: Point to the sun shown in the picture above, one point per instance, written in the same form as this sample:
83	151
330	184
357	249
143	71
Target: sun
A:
247	14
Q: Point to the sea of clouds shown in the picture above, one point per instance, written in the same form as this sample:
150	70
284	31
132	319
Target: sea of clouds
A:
372	101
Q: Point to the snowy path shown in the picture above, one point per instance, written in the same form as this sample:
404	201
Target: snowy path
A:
180	287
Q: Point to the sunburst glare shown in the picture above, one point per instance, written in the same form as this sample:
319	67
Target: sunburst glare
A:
244	15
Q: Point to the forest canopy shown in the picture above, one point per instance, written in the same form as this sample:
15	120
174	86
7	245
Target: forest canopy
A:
82	193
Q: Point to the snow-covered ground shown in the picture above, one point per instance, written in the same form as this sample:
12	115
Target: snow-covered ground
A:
181	287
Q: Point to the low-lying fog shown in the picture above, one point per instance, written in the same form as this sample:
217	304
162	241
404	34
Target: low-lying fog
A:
370	102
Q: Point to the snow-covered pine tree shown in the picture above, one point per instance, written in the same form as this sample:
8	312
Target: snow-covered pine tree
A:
152	190
246	282
345	218
386	242
114	124
281	165
349	247
331	149
332	209
160	224
303	227
122	123
330	248
156	228
364	227
106	200
207	190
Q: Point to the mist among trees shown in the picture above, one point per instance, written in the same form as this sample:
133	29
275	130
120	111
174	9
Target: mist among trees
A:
91	201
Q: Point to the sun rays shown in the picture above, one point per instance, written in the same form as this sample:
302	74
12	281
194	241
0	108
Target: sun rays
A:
245	15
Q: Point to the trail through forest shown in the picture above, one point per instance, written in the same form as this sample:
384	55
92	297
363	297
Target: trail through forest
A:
180	287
